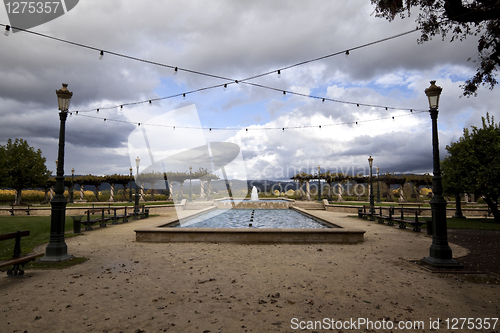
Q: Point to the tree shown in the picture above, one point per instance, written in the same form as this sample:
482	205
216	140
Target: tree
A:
23	166
473	164
460	19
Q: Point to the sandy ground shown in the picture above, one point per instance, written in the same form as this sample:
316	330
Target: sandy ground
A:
127	286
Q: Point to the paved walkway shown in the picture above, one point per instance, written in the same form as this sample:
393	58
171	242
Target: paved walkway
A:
127	286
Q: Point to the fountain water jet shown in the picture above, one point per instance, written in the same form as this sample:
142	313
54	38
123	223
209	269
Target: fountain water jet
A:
255	195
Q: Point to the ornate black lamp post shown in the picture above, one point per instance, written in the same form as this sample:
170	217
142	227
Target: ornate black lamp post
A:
378	185
372	204
57	249
440	252
190	190
319	183
130	186
136	206
71	196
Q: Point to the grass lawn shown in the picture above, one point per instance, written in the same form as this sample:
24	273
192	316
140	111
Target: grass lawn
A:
39	227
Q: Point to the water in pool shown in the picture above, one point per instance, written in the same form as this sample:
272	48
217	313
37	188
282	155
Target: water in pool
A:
259	200
258	218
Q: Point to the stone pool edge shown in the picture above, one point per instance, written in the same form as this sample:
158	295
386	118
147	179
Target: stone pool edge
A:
344	234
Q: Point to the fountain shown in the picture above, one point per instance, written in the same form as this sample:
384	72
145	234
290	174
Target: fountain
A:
255	195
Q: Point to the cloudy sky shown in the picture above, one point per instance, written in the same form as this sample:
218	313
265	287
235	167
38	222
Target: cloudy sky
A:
235	40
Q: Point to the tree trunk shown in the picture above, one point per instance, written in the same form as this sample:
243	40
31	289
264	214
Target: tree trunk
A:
494	209
17	197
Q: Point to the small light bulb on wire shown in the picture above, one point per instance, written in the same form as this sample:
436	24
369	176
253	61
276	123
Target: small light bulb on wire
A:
7	30
183	96
101	55
279	73
175	71
225	87
347	53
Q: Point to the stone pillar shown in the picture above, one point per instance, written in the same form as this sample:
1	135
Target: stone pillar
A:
401	196
202	189
170	190
51	193
209	186
82	192
142	193
182	189
466	197
112	193
339	194
308	191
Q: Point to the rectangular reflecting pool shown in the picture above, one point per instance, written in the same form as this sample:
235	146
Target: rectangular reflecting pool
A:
324	229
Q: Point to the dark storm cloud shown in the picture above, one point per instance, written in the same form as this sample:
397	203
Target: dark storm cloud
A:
235	39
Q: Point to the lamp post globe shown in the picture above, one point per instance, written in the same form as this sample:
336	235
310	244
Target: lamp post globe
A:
57	250
372	203
440	254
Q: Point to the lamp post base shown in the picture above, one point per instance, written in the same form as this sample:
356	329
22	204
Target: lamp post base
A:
55	258
437	262
56	252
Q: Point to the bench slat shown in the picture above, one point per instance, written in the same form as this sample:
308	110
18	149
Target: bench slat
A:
12	235
18	260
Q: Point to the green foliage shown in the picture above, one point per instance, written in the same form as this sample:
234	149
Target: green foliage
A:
117	179
22	165
473	164
478	18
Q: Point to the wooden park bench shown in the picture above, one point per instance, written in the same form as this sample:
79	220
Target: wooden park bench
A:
362	212
17	259
389	217
115	218
415	223
89	222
